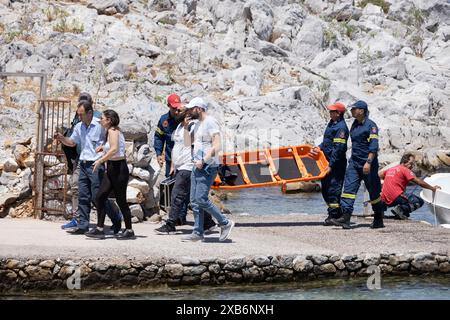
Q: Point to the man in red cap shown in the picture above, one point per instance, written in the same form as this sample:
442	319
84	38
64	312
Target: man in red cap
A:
163	133
334	146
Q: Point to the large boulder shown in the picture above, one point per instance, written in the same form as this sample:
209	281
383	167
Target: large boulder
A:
260	15
109	7
308	42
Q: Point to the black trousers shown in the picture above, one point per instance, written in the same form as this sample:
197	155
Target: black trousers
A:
116	179
407	203
180	198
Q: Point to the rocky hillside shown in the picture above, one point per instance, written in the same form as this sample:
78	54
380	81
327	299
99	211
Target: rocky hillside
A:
267	68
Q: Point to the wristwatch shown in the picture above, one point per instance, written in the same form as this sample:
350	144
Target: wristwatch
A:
369	161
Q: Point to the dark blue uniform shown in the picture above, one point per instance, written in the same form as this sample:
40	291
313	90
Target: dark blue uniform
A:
334	146
364	141
163	135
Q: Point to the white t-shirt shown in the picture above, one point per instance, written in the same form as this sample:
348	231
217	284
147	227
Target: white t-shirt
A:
204	132
182	152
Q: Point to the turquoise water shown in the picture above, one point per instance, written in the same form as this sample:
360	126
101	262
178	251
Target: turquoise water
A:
270	200
392	288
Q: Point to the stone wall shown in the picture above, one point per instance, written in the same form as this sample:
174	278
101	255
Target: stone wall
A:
52	274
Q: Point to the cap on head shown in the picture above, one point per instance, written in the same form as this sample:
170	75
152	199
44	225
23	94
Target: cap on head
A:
174	101
360	105
337	107
197	102
84	96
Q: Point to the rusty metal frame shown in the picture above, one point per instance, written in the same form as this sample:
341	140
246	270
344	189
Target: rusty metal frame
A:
49	147
38	198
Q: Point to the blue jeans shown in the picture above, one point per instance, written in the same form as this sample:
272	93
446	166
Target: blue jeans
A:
201	182
88	184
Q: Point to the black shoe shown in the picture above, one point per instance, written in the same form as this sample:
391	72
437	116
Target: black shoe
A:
77	231
166	229
126	235
343	221
327	221
377	224
377	220
95	233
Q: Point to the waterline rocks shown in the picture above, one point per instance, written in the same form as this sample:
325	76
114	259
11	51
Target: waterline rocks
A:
18	275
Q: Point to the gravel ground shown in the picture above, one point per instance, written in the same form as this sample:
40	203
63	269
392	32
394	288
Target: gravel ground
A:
253	235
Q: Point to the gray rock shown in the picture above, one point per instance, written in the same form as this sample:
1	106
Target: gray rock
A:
208	260
160	5
174	270
444	267
214	268
340	265
327	268
371	259
261	261
425	265
308	42
319	259
260	15
38	274
195	270
24	98
188	261
385	268
136	211
109	7
47	264
14	264
353	266
402	266
235	263
10	165
233	276
301	264
253	273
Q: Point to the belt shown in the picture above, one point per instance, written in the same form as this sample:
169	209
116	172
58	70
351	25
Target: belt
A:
86	162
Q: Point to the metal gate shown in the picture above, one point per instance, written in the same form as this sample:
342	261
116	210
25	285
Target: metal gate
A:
50	182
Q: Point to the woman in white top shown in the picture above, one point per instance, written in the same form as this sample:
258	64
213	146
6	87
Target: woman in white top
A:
115	178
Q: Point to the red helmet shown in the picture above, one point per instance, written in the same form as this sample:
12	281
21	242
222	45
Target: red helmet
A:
337	107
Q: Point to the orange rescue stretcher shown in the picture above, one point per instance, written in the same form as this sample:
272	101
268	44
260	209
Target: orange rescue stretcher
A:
270	167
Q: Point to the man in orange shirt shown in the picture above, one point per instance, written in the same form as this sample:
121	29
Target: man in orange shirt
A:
395	181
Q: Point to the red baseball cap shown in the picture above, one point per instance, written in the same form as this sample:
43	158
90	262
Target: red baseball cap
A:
174	101
337	107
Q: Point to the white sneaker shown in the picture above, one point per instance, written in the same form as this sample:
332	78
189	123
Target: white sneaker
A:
193	237
225	231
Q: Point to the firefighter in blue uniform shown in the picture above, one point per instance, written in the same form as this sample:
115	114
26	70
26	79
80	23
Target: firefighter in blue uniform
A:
363	165
334	146
163	134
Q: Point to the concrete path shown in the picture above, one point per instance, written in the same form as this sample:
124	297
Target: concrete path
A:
263	235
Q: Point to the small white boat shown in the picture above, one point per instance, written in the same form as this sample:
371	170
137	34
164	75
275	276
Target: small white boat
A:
439	201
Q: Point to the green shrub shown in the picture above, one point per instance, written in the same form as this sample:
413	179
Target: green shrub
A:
74	26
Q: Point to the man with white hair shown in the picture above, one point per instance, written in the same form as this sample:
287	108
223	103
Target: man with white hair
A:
205	155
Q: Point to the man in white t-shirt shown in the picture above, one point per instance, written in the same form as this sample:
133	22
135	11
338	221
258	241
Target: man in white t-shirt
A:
181	169
207	146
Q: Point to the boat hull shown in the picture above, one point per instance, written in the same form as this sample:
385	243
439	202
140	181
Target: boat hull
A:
439	201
